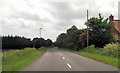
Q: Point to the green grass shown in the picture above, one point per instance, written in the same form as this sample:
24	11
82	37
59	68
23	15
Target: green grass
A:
93	54
15	60
105	59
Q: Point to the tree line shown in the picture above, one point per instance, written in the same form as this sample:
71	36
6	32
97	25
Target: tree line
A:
99	35
17	42
70	38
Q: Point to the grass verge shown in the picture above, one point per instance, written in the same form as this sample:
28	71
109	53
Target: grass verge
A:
15	60
105	59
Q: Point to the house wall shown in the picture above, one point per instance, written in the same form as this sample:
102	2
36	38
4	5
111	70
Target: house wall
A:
119	28
119	10
115	34
116	31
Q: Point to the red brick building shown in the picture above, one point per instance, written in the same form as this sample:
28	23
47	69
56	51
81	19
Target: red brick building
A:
116	30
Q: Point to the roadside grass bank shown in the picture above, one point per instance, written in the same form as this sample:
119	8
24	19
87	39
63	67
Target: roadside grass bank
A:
105	59
109	54
16	60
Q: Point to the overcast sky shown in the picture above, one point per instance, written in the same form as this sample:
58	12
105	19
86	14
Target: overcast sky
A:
25	17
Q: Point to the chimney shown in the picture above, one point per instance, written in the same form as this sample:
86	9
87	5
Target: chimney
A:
111	18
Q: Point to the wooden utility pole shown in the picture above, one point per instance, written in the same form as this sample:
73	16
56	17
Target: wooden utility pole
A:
87	30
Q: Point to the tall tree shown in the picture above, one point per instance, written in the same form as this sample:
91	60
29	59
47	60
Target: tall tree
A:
69	39
70	30
48	42
99	31
17	42
60	40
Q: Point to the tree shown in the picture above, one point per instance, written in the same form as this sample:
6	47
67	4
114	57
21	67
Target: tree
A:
61	40
36	42
74	36
17	42
69	39
99	31
70	30
48	42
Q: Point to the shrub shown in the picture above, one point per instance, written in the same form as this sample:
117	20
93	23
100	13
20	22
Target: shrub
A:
111	49
42	47
80	45
71	46
14	60
23	52
90	49
92	46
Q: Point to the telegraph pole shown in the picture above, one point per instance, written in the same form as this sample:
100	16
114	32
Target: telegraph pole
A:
87	30
40	32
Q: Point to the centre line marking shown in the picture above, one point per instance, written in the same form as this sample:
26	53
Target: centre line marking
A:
63	58
60	54
69	65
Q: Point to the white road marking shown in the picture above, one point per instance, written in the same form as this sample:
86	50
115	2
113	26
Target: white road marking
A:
69	65
63	58
60	54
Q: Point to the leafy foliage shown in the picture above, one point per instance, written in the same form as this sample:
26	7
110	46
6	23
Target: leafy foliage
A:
69	39
108	50
16	42
105	59
15	60
111	49
99	31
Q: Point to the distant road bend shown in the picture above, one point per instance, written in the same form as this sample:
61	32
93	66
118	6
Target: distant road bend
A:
59	60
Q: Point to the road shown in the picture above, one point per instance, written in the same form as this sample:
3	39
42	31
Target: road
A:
59	60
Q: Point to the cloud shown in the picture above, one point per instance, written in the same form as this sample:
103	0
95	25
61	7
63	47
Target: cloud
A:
25	17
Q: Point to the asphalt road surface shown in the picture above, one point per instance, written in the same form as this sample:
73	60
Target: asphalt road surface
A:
59	60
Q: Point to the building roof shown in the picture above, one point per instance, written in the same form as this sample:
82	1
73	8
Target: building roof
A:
115	22
117	25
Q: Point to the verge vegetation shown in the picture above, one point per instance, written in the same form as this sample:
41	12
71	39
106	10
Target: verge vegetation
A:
15	60
108	54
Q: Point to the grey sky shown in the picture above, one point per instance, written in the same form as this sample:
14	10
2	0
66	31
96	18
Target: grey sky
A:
25	17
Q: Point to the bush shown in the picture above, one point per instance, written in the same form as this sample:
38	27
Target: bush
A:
23	52
42	48
108	50
80	45
92	46
71	46
14	60
111	49
92	49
